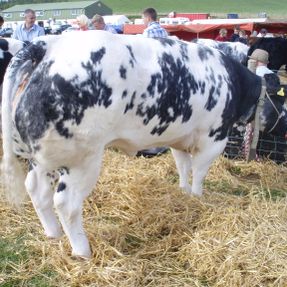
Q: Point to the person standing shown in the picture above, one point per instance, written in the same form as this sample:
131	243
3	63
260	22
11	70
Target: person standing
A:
242	37
1	22
98	22
27	31
264	34
257	63
222	35
83	22
153	30
234	37
261	58
1	25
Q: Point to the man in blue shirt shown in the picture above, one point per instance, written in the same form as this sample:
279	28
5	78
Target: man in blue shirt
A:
27	31
153	30
98	22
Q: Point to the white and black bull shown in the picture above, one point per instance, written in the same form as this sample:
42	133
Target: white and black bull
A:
236	50
66	98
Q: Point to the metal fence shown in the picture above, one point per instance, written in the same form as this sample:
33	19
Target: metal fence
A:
268	147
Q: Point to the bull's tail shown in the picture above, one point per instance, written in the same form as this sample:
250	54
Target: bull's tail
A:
13	176
12	173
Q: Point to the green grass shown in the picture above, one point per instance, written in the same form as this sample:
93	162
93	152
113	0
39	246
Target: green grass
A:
273	194
225	187
13	254
274	8
12	251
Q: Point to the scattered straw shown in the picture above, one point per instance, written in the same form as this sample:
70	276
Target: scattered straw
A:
144	231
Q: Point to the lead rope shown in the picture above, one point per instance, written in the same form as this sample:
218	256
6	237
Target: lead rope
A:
251	155
278	114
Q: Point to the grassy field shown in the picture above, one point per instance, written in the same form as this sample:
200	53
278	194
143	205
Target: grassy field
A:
273	8
145	232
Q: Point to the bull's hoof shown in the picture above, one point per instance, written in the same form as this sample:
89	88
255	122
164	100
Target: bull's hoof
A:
82	253
80	258
54	235
196	194
188	190
54	238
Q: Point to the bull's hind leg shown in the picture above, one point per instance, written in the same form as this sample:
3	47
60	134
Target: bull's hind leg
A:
201	161
38	185
183	165
75	184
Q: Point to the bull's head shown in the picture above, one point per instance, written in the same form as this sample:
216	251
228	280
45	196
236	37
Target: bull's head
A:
274	113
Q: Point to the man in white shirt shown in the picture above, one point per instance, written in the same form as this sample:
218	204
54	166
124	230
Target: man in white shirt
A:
27	31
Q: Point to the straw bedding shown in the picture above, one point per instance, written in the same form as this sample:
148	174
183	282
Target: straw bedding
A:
144	231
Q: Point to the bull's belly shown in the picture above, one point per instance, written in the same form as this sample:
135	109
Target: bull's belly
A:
56	151
125	132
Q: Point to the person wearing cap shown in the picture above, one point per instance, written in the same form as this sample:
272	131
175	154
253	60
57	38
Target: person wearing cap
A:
257	63
98	22
261	59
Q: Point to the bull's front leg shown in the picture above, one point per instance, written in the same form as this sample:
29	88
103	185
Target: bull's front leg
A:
183	164
209	150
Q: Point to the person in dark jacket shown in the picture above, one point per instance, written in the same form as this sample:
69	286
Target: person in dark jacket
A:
242	37
234	37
